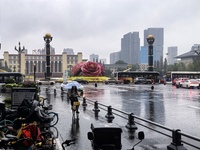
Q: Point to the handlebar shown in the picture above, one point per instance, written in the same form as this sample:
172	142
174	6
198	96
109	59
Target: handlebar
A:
68	143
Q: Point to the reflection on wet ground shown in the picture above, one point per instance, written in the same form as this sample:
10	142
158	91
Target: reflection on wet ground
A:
167	105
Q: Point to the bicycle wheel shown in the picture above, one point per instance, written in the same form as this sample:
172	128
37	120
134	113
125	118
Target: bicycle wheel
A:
73	113
54	117
54	132
6	123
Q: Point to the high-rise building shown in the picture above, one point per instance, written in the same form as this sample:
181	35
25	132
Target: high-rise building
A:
94	58
171	54
69	51
114	57
130	48
158	34
102	61
144	54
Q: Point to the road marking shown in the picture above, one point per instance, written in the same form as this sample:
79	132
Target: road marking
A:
195	107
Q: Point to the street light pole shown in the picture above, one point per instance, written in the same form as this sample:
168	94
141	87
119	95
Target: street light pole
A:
150	40
19	50
48	39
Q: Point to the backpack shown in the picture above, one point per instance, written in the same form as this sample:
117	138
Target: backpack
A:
31	131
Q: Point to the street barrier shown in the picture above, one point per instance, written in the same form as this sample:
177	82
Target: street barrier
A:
176	134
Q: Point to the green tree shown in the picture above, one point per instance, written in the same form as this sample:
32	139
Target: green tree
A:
120	62
191	67
134	68
108	72
157	65
181	66
196	63
161	69
6	68
165	66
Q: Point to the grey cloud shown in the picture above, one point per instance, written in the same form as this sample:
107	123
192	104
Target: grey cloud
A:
94	25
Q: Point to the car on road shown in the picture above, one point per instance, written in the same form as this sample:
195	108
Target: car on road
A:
162	81
174	81
190	83
142	80
110	80
45	82
180	81
81	81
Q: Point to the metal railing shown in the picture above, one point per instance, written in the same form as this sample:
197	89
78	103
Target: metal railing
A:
176	134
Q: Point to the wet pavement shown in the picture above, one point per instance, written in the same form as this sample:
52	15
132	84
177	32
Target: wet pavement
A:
166	105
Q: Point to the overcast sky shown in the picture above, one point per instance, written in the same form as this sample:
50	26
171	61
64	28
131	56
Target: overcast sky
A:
96	26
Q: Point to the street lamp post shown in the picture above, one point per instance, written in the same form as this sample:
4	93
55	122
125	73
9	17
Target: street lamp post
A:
34	71
48	39
150	40
19	50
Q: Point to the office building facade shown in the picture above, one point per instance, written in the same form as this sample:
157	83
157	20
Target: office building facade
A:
172	52
69	51
60	63
94	58
114	57
130	48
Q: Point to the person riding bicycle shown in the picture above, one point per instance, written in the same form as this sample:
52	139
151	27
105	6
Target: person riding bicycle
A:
73	95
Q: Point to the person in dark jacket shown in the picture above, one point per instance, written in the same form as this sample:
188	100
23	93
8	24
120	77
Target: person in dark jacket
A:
73	95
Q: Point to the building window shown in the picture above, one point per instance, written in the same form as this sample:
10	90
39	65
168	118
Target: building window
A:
39	67
43	66
60	66
56	64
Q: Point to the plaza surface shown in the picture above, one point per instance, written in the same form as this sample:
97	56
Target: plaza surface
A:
154	105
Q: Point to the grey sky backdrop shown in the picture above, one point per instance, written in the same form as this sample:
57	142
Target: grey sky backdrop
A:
96	26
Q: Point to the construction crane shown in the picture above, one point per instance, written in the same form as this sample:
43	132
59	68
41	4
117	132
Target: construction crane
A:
129	67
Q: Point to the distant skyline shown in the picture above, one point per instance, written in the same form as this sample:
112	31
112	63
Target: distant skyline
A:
96	26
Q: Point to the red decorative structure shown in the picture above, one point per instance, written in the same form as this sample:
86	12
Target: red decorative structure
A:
88	69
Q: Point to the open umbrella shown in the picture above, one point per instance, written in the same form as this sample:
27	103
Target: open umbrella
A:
73	83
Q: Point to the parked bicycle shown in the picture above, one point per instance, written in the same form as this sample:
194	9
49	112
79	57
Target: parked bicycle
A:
28	135
68	143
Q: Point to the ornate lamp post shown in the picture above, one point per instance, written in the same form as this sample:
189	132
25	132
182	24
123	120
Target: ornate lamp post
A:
150	40
19	50
48	38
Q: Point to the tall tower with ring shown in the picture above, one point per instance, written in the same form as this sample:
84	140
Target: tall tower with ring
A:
150	40
47	38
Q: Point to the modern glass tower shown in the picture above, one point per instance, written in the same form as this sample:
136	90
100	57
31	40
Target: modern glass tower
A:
130	48
171	54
